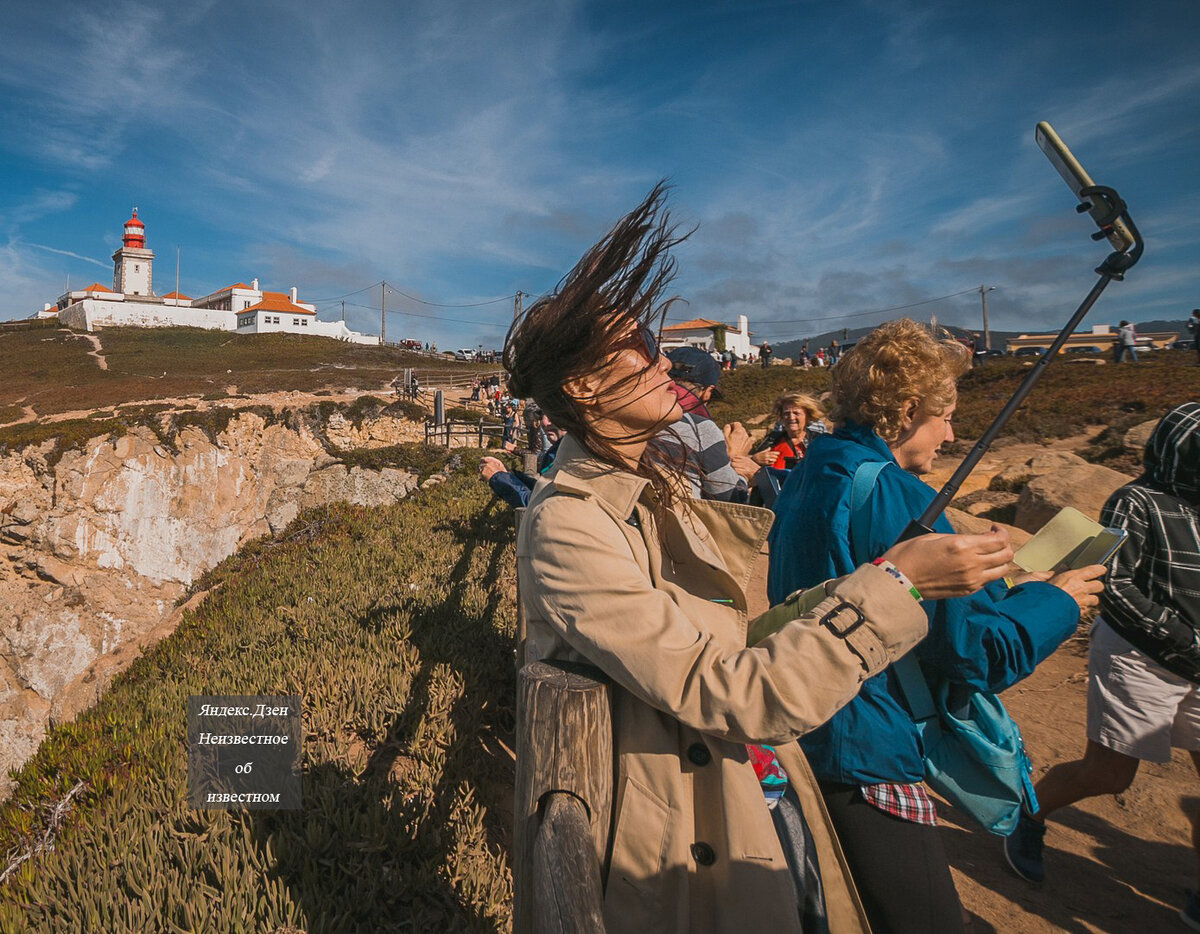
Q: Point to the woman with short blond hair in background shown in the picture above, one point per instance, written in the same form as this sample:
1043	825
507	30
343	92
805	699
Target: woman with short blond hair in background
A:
893	398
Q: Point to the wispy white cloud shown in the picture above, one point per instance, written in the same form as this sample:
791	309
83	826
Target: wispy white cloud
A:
79	256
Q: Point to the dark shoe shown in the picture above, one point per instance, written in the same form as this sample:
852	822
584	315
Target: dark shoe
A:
1023	849
1189	914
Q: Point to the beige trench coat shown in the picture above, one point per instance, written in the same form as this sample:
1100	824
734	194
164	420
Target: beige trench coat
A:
662	611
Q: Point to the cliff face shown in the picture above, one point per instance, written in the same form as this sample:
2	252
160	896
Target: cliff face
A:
96	549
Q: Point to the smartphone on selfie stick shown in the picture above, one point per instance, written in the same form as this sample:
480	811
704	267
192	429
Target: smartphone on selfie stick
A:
1111	215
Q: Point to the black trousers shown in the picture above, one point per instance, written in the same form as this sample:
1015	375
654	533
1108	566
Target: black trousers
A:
899	867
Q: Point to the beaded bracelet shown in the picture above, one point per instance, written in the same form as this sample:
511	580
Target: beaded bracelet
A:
889	568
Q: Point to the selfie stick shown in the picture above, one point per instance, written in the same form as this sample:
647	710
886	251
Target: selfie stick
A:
1114	266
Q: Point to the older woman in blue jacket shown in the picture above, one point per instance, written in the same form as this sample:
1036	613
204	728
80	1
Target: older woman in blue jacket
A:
893	398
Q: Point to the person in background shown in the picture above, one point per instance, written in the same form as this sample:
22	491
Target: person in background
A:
1194	327
893	398
705	454
508	412
1126	343
834	353
764	354
794	412
1144	660
619	568
515	486
978	350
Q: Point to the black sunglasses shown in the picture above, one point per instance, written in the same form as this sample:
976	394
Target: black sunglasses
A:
641	339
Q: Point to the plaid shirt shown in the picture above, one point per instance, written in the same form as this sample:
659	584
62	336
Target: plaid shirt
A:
1152	594
907	802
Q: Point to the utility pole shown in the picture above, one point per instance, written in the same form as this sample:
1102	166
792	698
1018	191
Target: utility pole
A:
382	312
517	305
343	311
987	334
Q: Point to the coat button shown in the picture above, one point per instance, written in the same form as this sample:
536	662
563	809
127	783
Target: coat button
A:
703	854
698	754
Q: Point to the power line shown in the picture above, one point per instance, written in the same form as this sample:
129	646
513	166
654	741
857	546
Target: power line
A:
421	301
416	314
318	301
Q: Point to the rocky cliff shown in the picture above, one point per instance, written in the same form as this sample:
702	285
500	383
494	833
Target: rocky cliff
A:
98	547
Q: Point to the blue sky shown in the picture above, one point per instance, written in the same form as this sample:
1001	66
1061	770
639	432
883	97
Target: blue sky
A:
838	157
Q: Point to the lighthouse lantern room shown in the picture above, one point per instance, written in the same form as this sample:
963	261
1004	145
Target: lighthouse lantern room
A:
132	262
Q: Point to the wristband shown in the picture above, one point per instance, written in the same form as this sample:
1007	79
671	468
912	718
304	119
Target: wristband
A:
888	568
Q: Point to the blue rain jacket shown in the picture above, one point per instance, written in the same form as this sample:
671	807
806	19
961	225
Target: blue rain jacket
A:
988	640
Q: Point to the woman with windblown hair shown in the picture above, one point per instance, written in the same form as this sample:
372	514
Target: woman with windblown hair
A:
620	569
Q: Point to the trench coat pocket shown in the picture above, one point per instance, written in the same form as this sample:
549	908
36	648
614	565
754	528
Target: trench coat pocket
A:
636	873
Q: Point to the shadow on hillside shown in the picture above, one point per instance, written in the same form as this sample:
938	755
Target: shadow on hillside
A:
377	852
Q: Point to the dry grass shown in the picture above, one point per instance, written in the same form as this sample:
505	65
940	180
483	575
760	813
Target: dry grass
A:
1070	398
50	368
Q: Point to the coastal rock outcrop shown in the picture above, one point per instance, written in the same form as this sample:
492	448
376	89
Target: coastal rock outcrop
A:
97	548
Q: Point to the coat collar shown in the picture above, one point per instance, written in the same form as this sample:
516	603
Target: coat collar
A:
578	471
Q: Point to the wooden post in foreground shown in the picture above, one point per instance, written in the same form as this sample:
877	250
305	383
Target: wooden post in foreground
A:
563	798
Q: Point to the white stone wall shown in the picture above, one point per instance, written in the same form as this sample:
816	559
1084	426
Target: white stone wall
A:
91	313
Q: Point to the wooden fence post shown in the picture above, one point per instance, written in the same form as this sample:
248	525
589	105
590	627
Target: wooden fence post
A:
563	797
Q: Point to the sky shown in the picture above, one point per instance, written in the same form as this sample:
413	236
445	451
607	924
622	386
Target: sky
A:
836	159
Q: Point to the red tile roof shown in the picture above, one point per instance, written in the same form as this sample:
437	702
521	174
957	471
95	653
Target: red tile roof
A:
695	324
278	301
177	295
97	287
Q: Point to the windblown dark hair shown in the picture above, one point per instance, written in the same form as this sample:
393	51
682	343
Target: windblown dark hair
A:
567	334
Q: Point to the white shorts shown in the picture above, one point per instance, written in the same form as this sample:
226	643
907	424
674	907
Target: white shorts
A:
1135	706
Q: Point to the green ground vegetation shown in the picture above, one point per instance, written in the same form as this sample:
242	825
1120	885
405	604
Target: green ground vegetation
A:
395	626
51	370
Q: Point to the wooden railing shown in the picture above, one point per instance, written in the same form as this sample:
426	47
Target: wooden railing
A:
564	800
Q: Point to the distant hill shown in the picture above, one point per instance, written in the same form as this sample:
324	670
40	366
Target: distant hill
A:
850	335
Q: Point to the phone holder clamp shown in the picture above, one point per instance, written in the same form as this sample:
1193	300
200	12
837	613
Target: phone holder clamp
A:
1119	261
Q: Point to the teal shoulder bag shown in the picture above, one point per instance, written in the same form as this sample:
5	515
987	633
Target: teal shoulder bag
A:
974	755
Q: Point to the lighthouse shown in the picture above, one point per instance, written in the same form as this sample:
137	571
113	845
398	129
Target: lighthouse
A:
132	262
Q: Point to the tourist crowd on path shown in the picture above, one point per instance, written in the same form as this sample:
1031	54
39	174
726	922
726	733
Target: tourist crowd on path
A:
784	780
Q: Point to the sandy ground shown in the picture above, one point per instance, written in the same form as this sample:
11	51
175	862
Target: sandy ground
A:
1115	863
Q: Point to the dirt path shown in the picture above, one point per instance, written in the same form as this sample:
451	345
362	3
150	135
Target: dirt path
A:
97	350
1115	863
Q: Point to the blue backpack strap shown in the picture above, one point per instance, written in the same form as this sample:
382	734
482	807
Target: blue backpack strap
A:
908	670
860	516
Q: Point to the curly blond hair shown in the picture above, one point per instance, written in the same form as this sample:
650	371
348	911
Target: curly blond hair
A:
896	363
812	408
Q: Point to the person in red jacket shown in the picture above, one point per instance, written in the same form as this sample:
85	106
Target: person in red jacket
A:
794	412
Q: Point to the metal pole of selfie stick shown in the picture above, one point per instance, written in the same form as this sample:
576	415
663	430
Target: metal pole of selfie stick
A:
1114	266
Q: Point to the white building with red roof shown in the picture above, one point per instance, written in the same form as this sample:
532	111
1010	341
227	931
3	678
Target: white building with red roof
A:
131	302
702	333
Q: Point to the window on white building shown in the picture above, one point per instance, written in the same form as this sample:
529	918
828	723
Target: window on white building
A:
296	322
304	322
